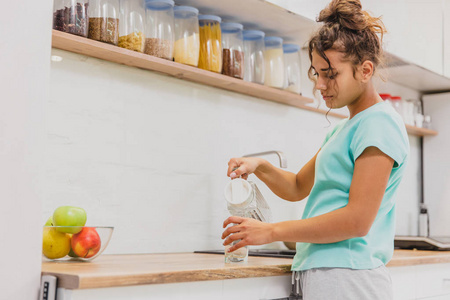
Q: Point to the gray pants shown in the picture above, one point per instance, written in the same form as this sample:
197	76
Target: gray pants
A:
346	284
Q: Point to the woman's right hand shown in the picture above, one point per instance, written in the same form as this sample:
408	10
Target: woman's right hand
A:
243	166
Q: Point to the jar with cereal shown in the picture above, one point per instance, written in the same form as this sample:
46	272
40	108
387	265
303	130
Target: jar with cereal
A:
159	29
104	21
71	16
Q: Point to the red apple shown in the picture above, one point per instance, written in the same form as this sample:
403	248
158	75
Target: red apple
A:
86	243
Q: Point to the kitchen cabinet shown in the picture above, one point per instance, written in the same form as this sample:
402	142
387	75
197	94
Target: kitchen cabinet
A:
415	275
247	288
428	281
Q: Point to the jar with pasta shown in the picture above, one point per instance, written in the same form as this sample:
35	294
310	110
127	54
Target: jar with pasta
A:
274	62
187	37
292	67
104	21
254	56
159	29
131	27
71	16
210	43
233	50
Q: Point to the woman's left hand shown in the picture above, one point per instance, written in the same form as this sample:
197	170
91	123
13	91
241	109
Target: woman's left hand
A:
248	231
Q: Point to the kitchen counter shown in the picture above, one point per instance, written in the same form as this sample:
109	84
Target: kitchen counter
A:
144	269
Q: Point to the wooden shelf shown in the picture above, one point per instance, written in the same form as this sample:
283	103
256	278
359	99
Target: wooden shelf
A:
81	45
410	129
73	43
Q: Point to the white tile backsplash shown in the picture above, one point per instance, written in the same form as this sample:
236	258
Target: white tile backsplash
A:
148	153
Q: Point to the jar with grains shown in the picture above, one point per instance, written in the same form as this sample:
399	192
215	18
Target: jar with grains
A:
71	16
187	37
159	28
233	50
104	21
274	62
292	68
386	98
398	105
132	24
210	43
254	56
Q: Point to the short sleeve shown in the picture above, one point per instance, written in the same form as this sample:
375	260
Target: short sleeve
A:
384	131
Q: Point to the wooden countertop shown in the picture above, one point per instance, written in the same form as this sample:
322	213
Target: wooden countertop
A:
137	269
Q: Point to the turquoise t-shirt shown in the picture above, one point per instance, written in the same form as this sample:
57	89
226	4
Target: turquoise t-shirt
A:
379	126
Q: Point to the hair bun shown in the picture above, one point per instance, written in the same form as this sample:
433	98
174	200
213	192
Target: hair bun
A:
347	13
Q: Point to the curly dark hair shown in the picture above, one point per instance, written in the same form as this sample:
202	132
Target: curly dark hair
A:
350	30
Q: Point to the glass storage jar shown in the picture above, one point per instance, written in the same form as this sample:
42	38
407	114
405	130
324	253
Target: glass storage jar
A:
274	62
187	37
104	21
408	111
210	43
397	104
71	16
386	98
233	50
254	56
292	67
159	30
131	25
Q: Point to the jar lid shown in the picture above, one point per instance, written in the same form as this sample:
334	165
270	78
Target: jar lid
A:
231	27
185	12
290	48
385	96
251	35
273	41
159	4
210	18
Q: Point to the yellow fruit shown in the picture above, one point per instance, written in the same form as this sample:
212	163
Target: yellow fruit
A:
55	244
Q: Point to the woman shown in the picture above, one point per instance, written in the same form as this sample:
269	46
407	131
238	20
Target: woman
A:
345	237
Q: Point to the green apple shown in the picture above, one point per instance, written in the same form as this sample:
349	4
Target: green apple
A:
69	216
49	221
55	244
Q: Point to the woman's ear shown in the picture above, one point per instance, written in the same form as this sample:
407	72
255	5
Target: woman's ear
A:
366	71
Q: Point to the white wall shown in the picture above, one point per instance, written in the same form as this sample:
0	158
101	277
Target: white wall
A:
148	153
24	76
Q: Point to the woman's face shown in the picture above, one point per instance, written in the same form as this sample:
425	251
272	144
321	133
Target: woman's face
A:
338	86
